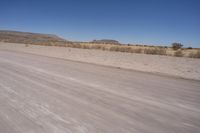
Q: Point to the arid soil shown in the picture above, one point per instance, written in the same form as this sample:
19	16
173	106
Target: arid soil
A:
181	67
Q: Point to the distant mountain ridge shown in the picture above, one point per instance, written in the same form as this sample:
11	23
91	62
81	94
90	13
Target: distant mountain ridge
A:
43	39
30	38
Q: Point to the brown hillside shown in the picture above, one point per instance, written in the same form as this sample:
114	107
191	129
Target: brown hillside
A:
31	38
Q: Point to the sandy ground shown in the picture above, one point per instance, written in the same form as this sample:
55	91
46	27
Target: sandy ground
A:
176	66
39	94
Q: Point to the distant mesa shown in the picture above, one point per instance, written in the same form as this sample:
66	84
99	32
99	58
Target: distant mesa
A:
106	41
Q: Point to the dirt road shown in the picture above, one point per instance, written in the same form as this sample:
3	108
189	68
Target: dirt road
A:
39	94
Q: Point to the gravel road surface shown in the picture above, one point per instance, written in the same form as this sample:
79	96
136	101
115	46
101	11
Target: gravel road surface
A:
39	94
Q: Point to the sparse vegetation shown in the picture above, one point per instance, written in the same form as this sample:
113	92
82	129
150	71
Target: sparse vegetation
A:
155	51
178	53
105	44
195	54
189	47
177	46
136	50
122	48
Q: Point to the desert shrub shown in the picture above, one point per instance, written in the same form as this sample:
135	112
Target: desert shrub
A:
155	51
189	47
114	48
195	54
121	49
149	51
177	46
128	49
69	45
162	51
76	45
45	44
125	49
178	53
85	46
104	48
136	50
93	46
160	46
58	44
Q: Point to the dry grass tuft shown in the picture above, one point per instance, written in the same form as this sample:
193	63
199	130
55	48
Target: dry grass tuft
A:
195	54
136	50
178	53
155	51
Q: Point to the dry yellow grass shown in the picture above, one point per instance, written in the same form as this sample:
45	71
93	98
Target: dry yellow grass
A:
144	49
195	54
53	40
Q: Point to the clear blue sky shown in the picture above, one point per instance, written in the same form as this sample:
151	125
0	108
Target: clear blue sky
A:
128	21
